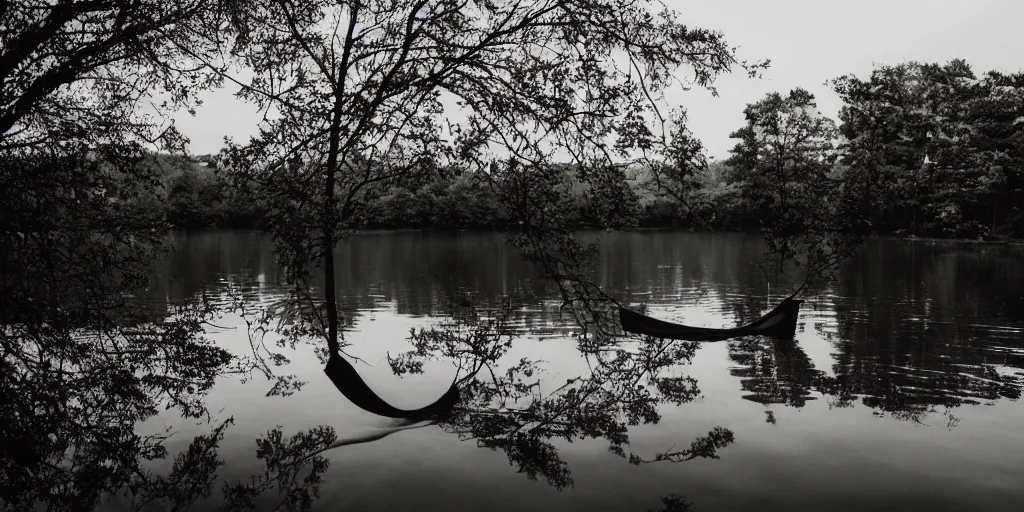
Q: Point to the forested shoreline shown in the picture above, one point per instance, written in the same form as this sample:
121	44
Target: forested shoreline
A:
922	150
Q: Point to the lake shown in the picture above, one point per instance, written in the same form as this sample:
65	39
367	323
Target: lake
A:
899	392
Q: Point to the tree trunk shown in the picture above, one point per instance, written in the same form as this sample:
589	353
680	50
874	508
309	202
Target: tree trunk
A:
330	206
329	224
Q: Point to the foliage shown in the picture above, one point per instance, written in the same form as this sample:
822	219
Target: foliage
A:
198	194
79	70
933	149
677	180
463	200
357	92
783	164
82	89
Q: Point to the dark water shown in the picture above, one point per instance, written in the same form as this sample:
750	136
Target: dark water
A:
900	391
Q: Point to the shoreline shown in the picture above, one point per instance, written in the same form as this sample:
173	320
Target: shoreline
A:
383	231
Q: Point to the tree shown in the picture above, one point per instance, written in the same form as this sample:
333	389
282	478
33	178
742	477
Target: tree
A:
783	163
72	70
886	124
362	93
929	146
719	198
677	178
76	82
997	137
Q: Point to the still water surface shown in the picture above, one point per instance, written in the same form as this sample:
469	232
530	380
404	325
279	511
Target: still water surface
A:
900	391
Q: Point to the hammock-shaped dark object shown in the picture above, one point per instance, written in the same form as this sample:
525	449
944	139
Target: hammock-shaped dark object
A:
777	323
348	381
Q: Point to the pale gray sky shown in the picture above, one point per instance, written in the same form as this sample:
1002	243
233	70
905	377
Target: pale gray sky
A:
808	42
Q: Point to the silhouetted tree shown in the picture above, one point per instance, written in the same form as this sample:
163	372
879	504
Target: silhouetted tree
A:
80	362
359	87
783	163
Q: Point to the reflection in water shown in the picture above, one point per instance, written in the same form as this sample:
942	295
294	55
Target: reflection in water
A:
72	390
900	349
294	469
910	329
949	335
509	412
773	371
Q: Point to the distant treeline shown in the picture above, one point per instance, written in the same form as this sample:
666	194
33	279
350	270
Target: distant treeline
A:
196	194
920	149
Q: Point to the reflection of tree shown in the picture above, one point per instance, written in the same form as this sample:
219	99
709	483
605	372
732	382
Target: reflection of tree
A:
418	272
907	350
293	470
503	407
908	393
914	351
191	476
114	460
673	503
82	364
896	368
286	461
773	371
72	395
778	372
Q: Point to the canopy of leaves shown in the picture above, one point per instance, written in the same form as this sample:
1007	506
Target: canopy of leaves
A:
74	70
935	148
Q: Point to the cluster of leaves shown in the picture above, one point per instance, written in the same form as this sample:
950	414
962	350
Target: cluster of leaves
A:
456	198
196	193
76	71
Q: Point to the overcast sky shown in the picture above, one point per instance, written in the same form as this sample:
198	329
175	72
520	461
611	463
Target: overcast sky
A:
808	42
